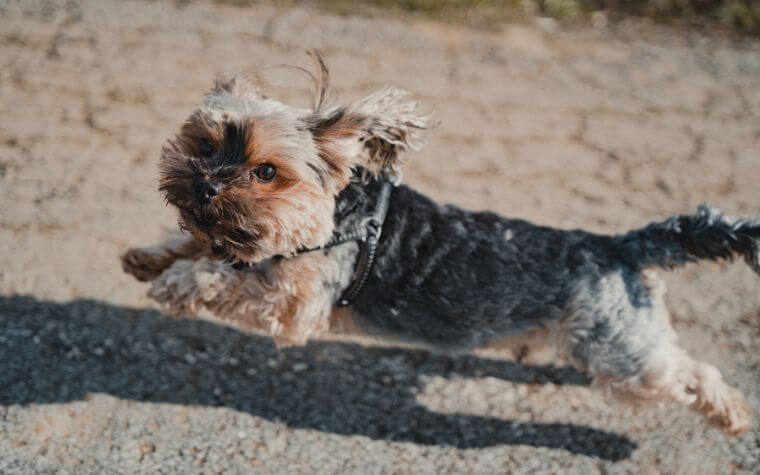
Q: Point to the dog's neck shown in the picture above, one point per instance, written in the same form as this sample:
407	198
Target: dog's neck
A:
356	201
360	213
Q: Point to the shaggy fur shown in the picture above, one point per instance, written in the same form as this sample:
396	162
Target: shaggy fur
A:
444	277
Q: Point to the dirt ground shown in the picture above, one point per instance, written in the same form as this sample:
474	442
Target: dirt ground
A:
596	128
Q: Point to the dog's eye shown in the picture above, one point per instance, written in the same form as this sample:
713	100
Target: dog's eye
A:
206	148
265	172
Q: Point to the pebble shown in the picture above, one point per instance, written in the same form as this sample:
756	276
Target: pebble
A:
547	24
277	445
300	366
147	448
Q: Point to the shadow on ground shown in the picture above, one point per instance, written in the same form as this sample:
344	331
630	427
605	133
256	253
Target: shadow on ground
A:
57	352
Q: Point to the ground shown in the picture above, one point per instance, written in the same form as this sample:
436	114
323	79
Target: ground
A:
603	128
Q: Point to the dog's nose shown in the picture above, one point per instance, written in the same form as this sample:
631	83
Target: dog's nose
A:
206	190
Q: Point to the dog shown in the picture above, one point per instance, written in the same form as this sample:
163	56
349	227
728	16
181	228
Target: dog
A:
290	213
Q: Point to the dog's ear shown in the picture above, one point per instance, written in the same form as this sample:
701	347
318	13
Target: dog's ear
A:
245	86
372	133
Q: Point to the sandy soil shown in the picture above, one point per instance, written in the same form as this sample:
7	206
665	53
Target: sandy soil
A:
600	129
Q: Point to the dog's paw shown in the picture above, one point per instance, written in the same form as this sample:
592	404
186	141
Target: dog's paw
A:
176	289
723	406
145	264
187	285
734	416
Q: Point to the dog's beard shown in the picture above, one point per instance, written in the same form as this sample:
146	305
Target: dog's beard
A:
233	242
236	241
227	221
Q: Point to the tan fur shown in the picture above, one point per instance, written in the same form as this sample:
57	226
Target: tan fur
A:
342	322
245	86
283	298
147	263
314	152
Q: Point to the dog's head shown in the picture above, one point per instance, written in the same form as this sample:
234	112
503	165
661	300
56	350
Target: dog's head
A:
259	178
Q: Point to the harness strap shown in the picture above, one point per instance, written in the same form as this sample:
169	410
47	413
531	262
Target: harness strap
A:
367	234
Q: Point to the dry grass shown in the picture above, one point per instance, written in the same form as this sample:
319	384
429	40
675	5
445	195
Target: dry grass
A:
741	16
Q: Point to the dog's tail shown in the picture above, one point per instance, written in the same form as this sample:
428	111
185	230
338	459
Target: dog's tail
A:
708	234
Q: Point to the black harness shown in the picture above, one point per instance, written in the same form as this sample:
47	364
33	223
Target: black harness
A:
367	235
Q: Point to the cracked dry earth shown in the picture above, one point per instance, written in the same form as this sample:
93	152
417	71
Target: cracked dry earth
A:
598	129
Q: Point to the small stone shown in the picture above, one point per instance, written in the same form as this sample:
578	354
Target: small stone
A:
299	367
547	24
277	445
599	19
288	376
147	448
131	449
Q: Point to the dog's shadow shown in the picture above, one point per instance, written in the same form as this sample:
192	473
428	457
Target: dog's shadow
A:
56	352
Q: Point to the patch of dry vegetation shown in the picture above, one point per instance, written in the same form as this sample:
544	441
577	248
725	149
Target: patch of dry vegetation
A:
742	16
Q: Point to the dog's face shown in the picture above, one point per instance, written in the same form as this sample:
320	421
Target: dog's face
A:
258	178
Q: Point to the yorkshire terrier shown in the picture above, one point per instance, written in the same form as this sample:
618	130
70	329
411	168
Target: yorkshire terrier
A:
292	212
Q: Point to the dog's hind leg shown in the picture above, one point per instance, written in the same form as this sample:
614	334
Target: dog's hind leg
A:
633	351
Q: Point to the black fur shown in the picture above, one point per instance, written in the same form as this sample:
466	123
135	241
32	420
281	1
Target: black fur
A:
683	239
233	147
456	279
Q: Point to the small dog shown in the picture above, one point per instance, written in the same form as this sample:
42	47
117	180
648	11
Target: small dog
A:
292	211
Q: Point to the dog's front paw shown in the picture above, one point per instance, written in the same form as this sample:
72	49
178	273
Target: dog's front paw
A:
176	289
145	263
188	285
